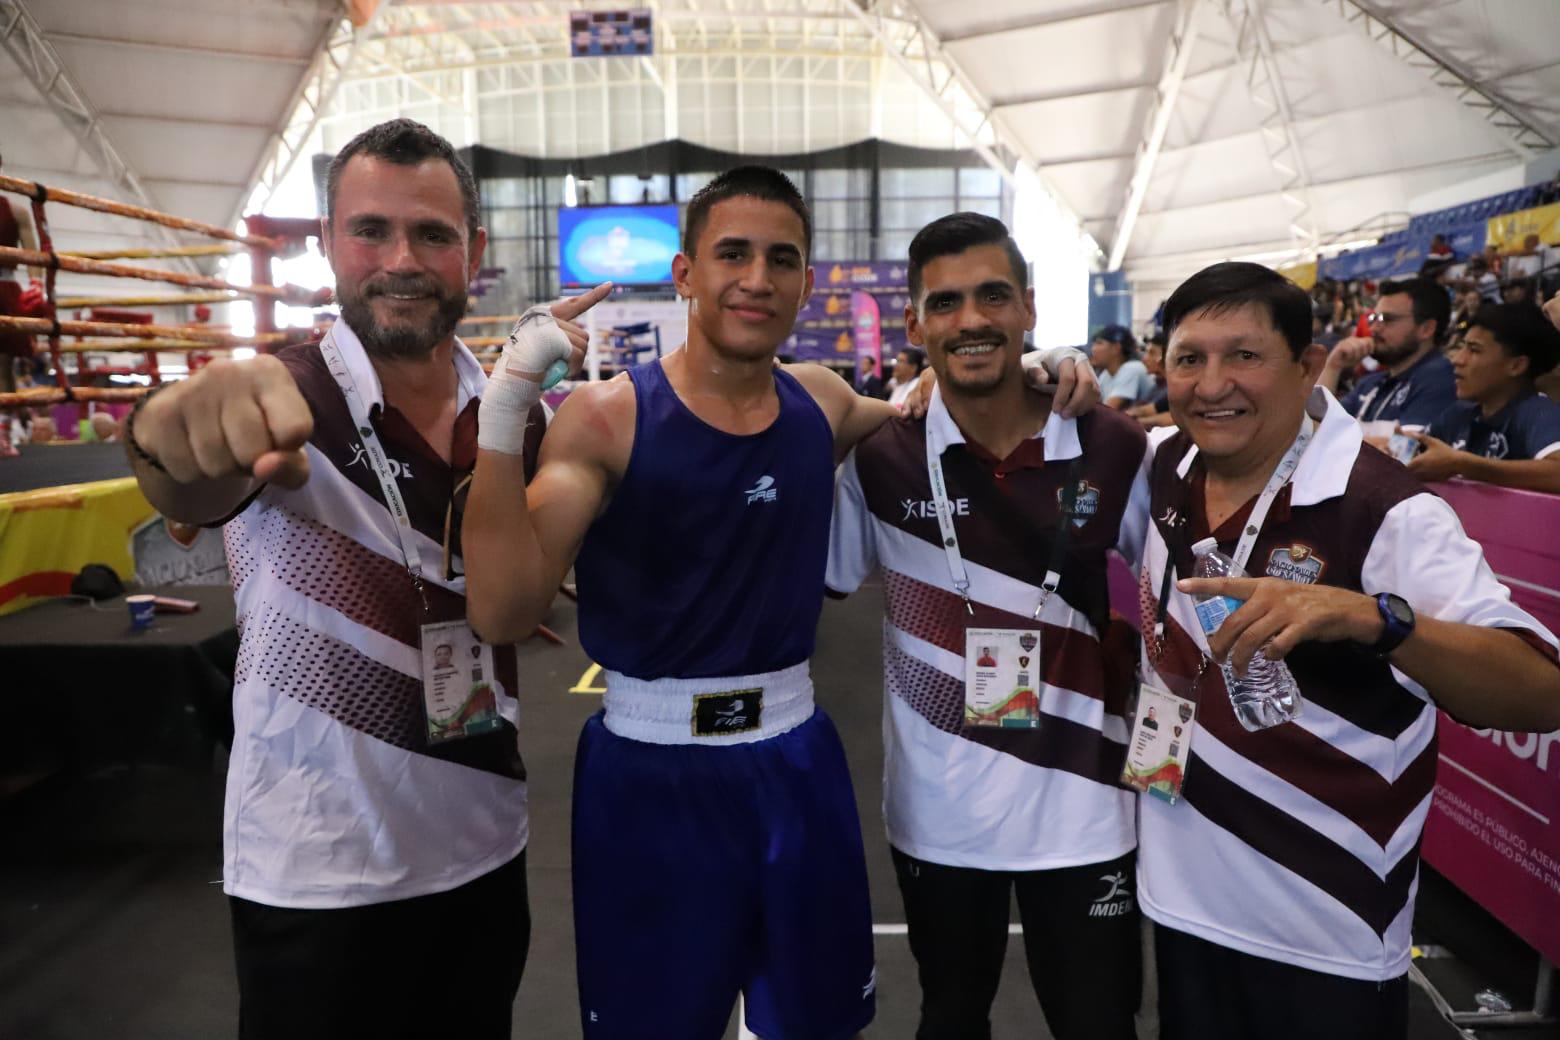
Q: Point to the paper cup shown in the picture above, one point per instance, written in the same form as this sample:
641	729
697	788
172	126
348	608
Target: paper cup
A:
142	610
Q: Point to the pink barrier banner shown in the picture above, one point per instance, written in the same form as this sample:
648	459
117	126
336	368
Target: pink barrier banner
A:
1494	827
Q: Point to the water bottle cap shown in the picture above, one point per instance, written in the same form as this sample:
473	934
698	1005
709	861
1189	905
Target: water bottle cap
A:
1206	546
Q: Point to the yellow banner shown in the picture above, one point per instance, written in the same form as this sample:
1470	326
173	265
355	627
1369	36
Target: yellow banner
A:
1303	275
1508	230
48	535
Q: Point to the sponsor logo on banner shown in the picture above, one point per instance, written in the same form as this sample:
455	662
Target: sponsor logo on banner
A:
1296	562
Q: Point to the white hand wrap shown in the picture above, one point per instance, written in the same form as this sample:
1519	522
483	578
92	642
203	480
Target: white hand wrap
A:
534	344
1052	357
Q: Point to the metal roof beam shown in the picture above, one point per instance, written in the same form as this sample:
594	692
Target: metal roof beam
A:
1178	57
1106	7
1522	135
25	42
1064	95
180	48
338	48
1277	126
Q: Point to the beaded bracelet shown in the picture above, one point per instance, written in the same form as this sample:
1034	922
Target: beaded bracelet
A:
130	441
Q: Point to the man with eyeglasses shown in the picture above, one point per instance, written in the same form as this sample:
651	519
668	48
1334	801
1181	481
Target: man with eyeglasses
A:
1414	384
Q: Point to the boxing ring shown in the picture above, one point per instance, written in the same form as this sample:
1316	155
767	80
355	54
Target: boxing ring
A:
48	533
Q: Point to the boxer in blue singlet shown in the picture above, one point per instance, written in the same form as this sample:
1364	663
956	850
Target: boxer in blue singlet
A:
716	846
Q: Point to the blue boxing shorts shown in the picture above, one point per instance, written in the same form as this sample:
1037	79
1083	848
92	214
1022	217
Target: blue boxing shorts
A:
710	862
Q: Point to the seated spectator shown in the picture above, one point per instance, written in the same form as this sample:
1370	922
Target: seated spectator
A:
868	382
909	363
1468	303
1440	248
1123	379
1501	430
1480	277
1414	384
1155	411
105	428
1517	290
1493	257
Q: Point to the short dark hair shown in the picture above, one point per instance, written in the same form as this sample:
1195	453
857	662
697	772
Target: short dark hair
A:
406	142
947	236
1121	336
1522	330
1431	302
916	355
752	181
1224	287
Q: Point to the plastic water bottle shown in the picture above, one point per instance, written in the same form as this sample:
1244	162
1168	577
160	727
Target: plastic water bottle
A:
1267	695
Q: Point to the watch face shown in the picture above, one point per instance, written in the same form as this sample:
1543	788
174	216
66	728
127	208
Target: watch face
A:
1400	610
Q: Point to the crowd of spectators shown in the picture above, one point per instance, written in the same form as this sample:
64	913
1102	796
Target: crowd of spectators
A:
1452	372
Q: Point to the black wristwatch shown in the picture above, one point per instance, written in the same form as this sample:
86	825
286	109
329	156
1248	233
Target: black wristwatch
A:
1398	620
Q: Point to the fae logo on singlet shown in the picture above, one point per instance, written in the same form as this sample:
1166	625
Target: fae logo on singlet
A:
763	491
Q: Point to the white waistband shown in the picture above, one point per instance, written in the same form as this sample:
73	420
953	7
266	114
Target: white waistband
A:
665	711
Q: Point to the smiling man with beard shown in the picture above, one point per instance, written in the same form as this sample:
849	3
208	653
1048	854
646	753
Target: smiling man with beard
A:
991	518
375	825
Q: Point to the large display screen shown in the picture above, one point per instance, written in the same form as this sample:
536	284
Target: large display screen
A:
628	245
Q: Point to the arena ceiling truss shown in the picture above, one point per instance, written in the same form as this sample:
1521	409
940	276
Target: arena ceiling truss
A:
1176	131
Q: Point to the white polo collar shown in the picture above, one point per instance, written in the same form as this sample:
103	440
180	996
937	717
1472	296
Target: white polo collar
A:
470	379
1060	435
1326	466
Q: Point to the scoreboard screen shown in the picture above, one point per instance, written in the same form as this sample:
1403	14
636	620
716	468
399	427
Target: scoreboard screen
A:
599	34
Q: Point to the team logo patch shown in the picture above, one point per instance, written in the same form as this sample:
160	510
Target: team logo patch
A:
1085	506
1027	641
1185	712
737	711
1296	562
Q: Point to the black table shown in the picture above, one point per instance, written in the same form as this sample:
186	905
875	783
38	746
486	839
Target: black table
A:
80	688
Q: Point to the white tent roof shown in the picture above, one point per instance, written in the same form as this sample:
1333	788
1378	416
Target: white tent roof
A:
1285	123
188	94
1362	112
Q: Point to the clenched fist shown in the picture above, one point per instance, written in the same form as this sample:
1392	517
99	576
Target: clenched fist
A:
231	418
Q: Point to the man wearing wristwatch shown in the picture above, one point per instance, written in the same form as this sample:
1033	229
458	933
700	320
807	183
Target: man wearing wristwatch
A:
1282	881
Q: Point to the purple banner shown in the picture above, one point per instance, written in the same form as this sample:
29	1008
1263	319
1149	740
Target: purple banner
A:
866	329
1494	828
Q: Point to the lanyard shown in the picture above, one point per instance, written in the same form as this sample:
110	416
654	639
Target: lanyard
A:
950	537
1248	537
376	457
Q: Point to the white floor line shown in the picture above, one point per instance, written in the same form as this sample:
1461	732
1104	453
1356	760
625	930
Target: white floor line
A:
904	929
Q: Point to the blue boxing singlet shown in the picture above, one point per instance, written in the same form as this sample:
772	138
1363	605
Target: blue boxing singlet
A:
709	559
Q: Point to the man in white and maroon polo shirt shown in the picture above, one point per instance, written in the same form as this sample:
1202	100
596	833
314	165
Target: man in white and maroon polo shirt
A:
1023	796
373	849
1282	882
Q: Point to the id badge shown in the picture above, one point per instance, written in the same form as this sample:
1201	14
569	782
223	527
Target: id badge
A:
1160	744
1001	676
460	695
